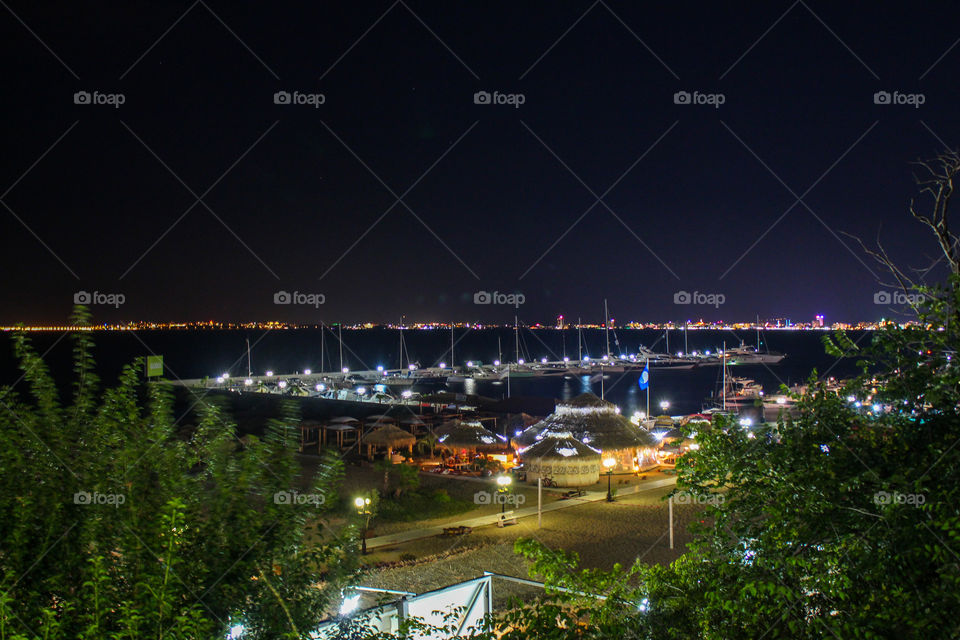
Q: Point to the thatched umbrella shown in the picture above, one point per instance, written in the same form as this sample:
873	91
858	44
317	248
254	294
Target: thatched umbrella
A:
390	437
563	459
470	435
526	437
598	424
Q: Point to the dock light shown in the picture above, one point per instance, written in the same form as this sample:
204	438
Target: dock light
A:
361	391
606	357
282	384
320	387
521	361
469	363
543	361
412	367
443	365
219	379
609	463
496	363
306	372
707	352
247	382
345	370
225	376
379	367
586	358
269	374
407	393
665	405
566	359
679	353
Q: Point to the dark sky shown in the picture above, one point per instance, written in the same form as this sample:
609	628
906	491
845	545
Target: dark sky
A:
494	197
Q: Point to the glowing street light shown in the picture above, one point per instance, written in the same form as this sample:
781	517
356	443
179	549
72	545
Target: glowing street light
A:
609	463
363	509
664	405
504	482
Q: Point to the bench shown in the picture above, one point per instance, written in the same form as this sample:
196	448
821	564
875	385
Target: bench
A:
506	519
456	531
573	493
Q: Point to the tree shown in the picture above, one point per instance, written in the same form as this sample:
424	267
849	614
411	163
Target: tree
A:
115	522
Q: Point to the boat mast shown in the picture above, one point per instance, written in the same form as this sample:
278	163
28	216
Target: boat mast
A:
606	324
579	342
723	388
323	329
340	340
666	332
685	349
452	361
516	338
499	351
249	369
758	333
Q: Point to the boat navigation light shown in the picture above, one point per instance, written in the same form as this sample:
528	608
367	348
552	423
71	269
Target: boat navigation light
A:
379	367
520	361
496	363
412	367
269	373
469	363
346	370
566	359
443	365
306	372
543	360
226	376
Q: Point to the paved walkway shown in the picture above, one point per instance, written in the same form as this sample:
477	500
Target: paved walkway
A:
590	496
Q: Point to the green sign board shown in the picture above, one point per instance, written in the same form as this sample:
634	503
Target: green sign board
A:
154	366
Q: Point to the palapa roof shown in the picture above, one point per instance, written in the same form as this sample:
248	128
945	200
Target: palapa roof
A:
559	446
527	437
343	420
470	434
389	436
594	422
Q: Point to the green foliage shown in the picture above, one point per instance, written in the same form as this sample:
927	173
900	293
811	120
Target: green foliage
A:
115	523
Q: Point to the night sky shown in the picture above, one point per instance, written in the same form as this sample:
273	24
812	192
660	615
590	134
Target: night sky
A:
200	198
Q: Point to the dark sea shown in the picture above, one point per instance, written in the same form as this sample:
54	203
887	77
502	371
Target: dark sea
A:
195	354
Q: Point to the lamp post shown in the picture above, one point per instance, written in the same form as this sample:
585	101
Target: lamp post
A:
609	464
504	482
363	509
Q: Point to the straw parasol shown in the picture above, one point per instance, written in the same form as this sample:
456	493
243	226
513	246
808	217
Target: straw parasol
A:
562	458
469	435
598	424
389	437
